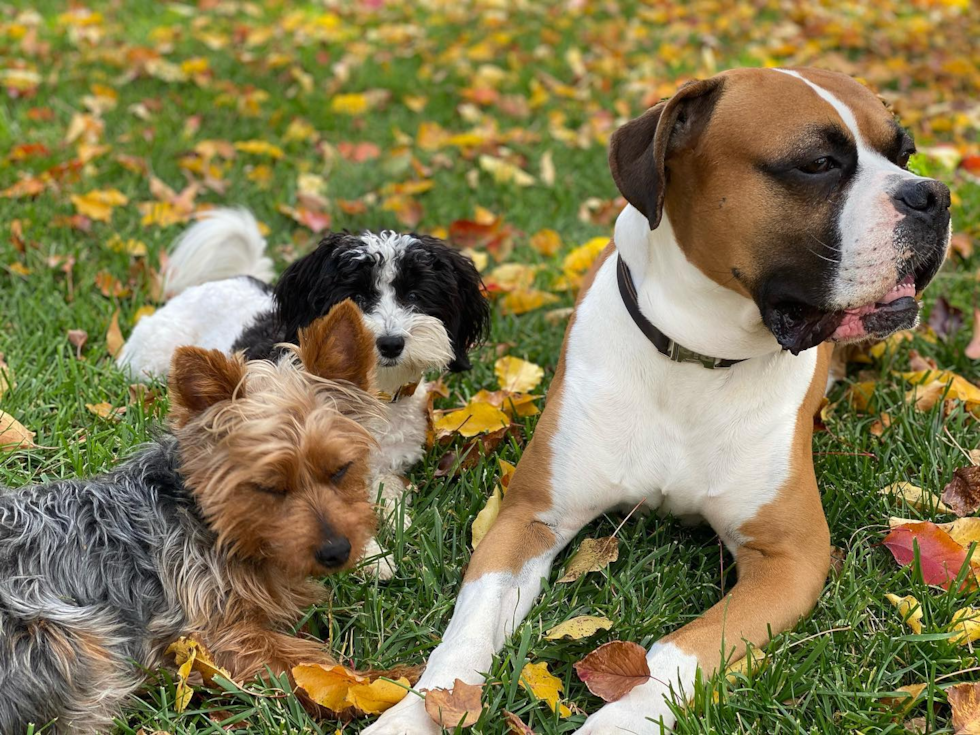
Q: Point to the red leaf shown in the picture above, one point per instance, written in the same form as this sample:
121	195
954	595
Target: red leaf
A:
971	164
612	670
940	557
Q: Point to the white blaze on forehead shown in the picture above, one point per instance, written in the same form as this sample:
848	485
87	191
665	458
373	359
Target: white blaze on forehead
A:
868	256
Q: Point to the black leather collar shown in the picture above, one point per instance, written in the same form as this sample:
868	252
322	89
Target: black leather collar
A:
667	346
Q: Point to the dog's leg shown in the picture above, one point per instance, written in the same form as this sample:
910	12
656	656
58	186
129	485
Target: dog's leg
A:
247	651
783	555
502	581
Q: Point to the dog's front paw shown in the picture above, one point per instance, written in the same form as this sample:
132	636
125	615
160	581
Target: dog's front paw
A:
643	711
408	717
376	563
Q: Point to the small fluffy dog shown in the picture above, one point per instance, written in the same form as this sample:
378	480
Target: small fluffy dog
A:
212	531
422	300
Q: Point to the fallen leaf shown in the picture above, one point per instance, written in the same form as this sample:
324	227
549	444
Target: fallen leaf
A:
260	148
458	707
544	685
77	338
113	338
504	172
577	628
516	375
191	655
910	610
475	418
965	701
903	703
916	497
614	669
966	625
6	377
547	242
98	204
973	349
962	494
944	318
485	518
594	555
521	301
13	434
940	557
339	689
105	410
516	725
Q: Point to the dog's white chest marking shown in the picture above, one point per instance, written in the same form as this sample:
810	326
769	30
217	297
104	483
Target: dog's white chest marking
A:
634	426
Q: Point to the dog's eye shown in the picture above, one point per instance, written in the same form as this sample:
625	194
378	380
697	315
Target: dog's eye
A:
412	297
819	165
339	475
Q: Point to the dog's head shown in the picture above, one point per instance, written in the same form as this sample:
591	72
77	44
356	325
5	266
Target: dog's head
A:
792	188
277	454
422	299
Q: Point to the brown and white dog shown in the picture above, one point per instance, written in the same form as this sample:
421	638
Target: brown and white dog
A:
770	210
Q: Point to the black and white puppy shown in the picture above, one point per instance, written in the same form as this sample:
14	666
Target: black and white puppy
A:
422	299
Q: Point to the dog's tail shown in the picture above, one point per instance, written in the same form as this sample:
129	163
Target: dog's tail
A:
224	243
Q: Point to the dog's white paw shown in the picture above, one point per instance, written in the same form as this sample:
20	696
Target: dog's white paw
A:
377	563
408	717
643	711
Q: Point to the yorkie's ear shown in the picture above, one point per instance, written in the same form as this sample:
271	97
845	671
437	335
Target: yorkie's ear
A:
339	346
199	379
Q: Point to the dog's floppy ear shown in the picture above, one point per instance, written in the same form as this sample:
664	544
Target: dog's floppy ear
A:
199	379
339	346
306	290
639	149
472	324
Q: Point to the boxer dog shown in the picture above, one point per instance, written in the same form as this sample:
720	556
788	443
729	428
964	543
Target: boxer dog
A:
770	214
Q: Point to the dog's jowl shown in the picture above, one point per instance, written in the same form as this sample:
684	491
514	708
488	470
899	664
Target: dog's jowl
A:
770	214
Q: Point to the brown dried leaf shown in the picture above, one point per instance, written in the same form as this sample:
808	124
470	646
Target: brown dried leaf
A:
13	434
612	670
593	555
78	338
113	336
965	701
459	707
973	349
516	725
962	494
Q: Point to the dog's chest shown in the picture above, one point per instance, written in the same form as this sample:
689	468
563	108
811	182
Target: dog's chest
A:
635	426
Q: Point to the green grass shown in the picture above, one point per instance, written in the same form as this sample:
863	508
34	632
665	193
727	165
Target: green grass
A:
827	675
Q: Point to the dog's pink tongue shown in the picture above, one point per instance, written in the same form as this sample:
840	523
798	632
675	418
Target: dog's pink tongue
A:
905	287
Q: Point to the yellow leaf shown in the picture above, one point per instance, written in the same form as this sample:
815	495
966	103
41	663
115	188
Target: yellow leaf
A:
916	497
594	555
299	130
544	685
860	394
379	695
507	471
485	518
189	650
910	610
516	375
504	172
259	148
910	693
105	410
889	345
547	242
113	337
131	247
754	661
161	214
142	312
20	269
475	418
183	695
578	262
965	531
327	685
581	627
350	104
99	203
523	301
511	277
966	625
13	434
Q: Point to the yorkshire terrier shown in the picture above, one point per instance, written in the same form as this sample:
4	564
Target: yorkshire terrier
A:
212	531
422	300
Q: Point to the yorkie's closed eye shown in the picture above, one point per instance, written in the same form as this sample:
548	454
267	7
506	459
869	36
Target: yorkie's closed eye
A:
339	474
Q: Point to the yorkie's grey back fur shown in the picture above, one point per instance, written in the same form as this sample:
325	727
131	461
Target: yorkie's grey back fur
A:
90	572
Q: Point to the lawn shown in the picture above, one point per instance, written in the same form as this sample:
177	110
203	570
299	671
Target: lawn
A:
485	121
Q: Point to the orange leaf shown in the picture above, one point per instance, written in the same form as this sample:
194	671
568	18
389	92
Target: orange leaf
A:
612	670
113	337
459	707
965	701
940	557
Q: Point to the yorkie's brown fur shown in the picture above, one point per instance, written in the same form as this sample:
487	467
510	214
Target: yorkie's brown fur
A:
213	531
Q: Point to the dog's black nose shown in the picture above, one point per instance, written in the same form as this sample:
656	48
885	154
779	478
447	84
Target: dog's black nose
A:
923	198
334	552
391	347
